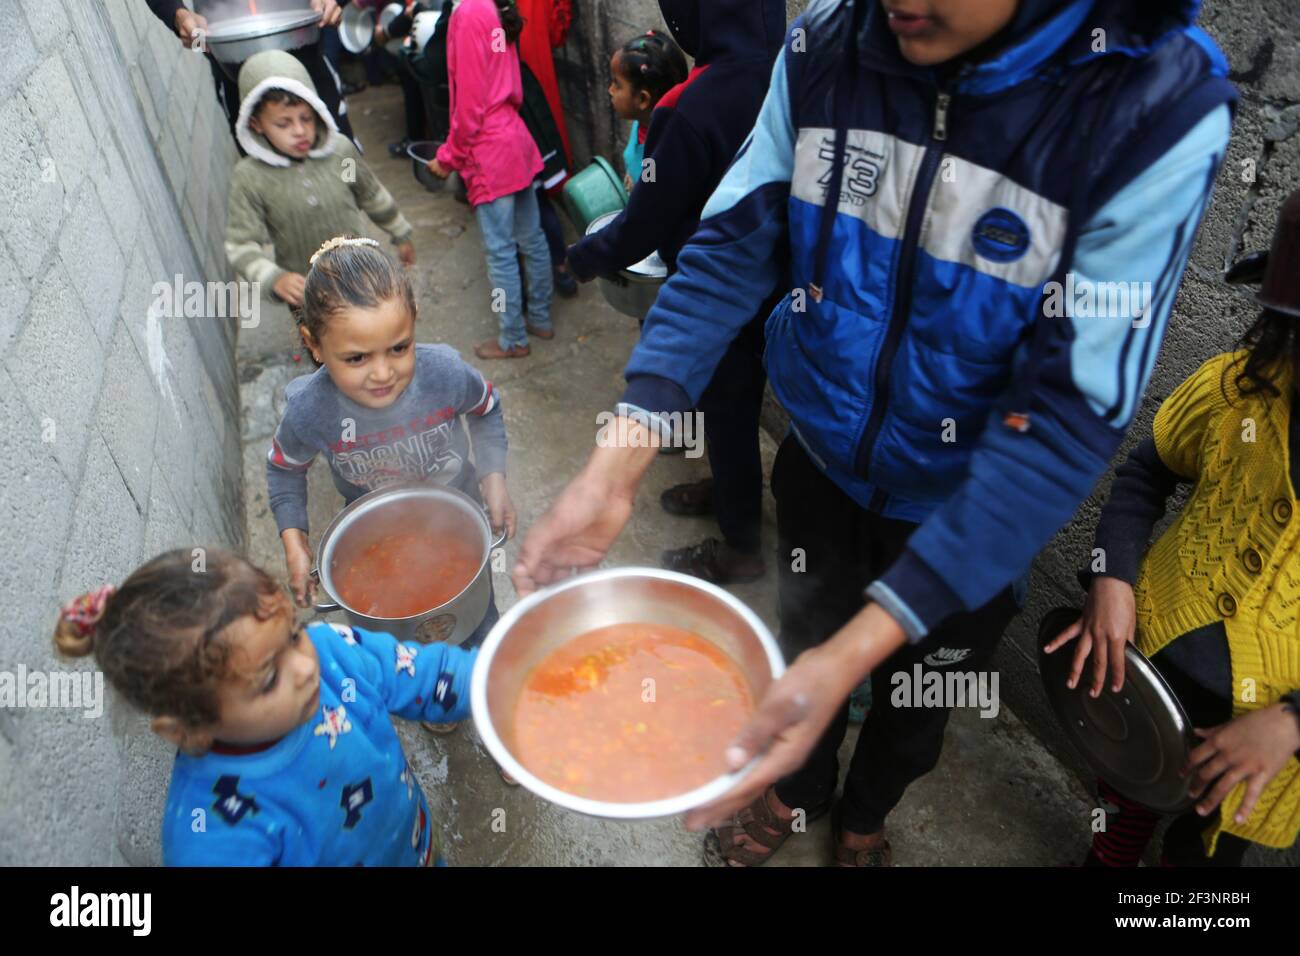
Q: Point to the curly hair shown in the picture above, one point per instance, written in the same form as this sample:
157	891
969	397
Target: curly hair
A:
159	637
1271	343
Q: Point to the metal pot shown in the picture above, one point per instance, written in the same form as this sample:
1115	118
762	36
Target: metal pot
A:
445	511
633	290
547	619
421	152
235	33
356	29
386	17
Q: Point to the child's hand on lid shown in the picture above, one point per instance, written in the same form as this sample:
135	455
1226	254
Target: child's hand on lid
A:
1252	747
406	253
1109	622
289	287
500	508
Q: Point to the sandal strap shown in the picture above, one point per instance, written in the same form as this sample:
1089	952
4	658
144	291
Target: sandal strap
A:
881	855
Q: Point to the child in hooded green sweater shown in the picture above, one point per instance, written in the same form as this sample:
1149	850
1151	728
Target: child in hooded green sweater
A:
300	183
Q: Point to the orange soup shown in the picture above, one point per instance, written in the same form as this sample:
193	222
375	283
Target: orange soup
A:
407	573
631	712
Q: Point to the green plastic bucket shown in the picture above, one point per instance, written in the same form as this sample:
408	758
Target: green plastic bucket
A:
596	190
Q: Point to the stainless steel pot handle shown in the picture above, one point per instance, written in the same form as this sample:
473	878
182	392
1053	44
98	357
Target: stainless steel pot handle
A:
500	540
323	608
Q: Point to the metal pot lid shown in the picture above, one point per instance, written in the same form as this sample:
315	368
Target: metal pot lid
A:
1136	740
601	221
260	25
651	267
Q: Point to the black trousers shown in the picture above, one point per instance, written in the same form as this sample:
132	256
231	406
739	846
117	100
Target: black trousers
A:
829	549
552	227
731	405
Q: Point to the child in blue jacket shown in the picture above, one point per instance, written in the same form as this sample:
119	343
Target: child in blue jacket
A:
962	191
286	753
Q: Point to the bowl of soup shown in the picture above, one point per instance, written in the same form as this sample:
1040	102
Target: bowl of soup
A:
616	693
411	559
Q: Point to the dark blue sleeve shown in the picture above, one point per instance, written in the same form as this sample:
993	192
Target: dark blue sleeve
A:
727	269
1136	502
657	207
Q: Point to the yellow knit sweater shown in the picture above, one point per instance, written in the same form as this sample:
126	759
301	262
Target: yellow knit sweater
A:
1233	555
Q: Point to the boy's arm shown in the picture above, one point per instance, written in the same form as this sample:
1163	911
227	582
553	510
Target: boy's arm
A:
375	201
655	208
246	234
1023	486
728	267
416	681
166	10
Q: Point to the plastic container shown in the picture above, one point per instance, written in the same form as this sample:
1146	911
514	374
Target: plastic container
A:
596	190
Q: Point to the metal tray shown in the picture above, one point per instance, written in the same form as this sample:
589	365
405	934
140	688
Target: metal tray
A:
1136	740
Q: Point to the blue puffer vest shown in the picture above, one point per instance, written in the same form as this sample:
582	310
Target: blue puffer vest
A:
911	310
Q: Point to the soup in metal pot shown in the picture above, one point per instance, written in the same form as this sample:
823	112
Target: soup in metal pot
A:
406	573
631	713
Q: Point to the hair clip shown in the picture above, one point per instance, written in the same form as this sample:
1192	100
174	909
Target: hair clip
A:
329	245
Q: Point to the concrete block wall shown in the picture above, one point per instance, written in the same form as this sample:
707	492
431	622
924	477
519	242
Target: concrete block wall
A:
122	425
1262	43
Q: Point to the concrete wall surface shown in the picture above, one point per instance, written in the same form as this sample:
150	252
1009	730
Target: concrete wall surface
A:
121	423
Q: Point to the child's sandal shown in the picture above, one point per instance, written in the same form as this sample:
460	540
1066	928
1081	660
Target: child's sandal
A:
880	855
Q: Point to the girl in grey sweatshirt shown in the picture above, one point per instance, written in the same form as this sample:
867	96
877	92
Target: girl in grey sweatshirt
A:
381	408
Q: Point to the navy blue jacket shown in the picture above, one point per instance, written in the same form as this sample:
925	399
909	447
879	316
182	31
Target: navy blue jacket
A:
975	317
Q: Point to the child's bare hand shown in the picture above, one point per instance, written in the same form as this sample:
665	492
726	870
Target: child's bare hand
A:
297	558
187	23
1252	747
439	170
501	510
289	287
1109	622
330	13
406	253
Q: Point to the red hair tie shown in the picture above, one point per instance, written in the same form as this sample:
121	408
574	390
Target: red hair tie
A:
84	612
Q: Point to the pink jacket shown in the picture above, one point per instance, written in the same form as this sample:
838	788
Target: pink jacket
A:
488	144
